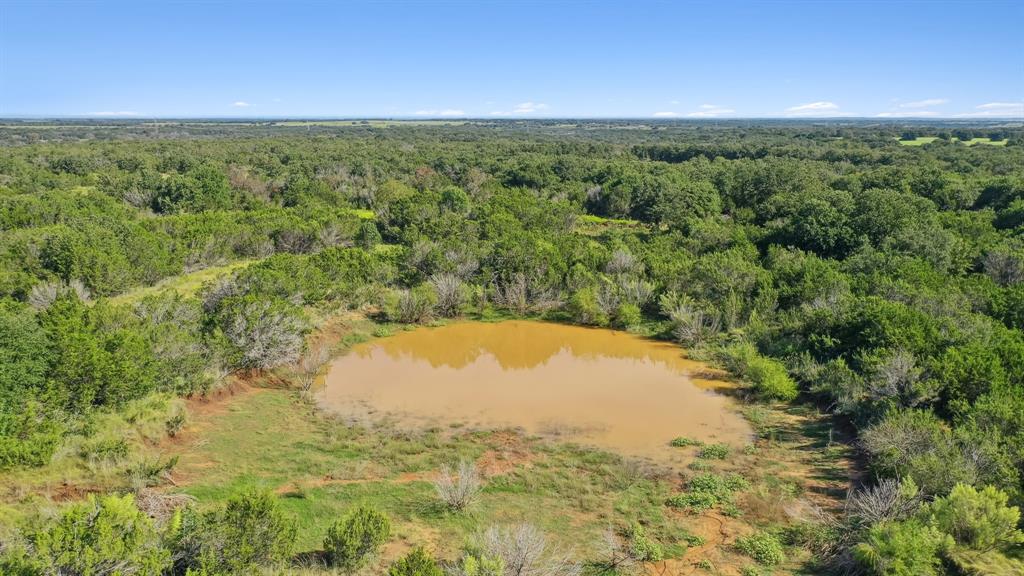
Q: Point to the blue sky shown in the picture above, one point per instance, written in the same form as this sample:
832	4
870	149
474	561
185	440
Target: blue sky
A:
512	59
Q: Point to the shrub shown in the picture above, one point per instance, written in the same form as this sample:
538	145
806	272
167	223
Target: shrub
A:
261	333
641	546
416	563
683	441
916	444
980	520
770	380
414	306
523	549
705	491
714	451
767	376
691	324
459	490
901	549
448	288
762	547
176	421
628	316
888	500
355	537
584	308
100	537
477	565
368	236
693	501
249	532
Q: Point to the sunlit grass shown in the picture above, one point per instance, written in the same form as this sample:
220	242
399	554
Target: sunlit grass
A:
184	284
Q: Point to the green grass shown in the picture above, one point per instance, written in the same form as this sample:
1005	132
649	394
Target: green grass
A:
184	284
919	141
988	141
590	225
363	213
922	140
321	467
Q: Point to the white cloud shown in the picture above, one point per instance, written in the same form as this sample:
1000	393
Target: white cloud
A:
521	109
240	104
710	111
529	107
118	113
996	110
445	112
674	102
813	109
908	114
666	114
926	103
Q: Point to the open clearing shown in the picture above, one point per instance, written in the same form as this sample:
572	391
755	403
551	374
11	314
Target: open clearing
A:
922	140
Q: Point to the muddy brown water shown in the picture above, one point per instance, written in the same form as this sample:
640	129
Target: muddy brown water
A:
592	386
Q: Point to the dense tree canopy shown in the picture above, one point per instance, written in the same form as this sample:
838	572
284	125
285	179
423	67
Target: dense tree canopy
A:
821	263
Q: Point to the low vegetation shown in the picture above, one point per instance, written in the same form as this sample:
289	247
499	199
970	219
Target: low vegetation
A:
828	268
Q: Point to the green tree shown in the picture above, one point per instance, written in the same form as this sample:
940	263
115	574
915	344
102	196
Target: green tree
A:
906	548
99	537
978	519
354	538
250	531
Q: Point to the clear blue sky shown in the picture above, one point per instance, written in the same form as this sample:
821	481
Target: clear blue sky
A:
512	59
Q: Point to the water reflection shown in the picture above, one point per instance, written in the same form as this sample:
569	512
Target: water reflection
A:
595	386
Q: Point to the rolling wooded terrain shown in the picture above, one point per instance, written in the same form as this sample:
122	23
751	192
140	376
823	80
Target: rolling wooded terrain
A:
832	270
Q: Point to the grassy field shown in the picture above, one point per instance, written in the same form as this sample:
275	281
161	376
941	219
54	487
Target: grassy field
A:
263	433
184	284
919	141
922	140
275	440
988	141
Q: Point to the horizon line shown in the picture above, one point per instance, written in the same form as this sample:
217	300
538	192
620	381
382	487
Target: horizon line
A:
400	117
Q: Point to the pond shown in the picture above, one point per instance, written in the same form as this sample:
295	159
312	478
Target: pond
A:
605	388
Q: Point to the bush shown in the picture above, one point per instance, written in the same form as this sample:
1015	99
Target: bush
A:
414	306
249	532
354	538
767	376
523	549
641	546
693	501
449	291
261	333
416	563
770	380
705	491
628	316
714	452
584	308
368	235
100	537
917	445
683	441
980	520
457	491
475	564
901	549
762	547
